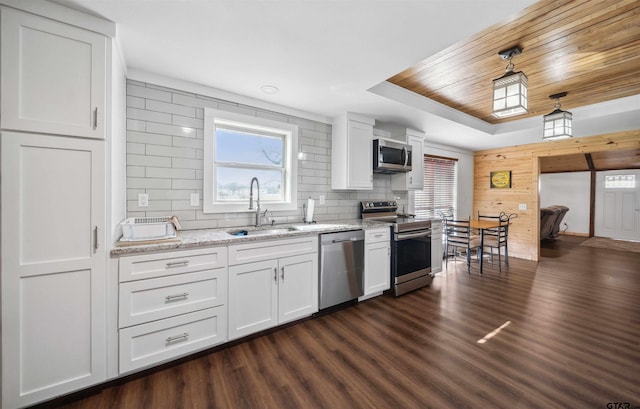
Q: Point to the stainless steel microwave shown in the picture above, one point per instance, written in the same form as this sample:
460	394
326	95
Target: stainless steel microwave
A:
391	156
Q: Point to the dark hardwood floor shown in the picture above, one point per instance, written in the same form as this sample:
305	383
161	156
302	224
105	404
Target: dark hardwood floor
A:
572	341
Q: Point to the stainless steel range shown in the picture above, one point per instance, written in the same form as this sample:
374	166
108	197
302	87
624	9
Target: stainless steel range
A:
410	245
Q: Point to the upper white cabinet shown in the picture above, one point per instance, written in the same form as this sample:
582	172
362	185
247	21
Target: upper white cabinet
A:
351	153
412	180
53	266
53	76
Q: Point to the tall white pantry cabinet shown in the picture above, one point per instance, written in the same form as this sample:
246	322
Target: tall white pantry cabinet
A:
54	79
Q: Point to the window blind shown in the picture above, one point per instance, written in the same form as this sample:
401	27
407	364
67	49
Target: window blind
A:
440	187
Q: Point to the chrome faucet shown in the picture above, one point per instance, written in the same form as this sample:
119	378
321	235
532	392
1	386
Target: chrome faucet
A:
257	200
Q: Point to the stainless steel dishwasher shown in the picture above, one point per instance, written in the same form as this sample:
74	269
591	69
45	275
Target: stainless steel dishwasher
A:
341	267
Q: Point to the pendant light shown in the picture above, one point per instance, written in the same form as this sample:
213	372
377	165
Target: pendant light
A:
557	124
510	90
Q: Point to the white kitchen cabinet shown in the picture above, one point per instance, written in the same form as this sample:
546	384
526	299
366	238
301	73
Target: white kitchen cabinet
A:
53	76
436	246
413	180
53	266
278	285
170	304
377	261
352	153
158	341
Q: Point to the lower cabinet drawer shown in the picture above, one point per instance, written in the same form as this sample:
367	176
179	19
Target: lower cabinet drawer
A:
157	298
159	341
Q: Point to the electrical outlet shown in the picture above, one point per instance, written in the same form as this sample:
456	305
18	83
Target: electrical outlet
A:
321	199
195	199
522	206
143	200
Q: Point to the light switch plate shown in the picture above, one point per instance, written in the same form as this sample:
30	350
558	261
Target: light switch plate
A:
321	199
143	200
195	199
522	206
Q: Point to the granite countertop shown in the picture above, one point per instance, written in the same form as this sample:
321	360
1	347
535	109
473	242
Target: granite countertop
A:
190	239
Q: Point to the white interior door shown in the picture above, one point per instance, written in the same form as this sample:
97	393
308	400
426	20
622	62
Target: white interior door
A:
53	262
618	204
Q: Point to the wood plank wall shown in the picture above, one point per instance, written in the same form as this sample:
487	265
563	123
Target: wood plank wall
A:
524	164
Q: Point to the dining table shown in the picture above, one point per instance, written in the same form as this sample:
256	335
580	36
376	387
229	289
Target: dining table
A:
481	226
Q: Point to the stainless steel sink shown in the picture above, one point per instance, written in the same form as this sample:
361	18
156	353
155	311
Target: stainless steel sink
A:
319	226
267	232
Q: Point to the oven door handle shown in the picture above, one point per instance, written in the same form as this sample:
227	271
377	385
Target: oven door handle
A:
407	236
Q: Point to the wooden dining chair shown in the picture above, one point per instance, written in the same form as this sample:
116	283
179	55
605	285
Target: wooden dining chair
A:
498	238
445	215
459	236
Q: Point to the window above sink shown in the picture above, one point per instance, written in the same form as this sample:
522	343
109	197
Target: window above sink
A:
240	147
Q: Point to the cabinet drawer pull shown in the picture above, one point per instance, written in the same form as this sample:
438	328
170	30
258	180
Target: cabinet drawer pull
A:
177	338
282	275
176	297
275	274
175	264
378	235
95	118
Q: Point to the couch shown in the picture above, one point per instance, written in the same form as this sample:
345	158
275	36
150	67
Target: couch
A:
550	219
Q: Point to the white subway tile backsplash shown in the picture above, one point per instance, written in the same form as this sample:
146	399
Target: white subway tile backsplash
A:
237	109
194	102
194	184
136	148
199	224
144	160
181	214
171	173
169	194
135	102
157	150
136	125
186	163
148	93
188	142
138	83
136	171
144	183
165	150
182	205
155	205
150	138
188	122
173	130
170	108
132	194
141	114
273	116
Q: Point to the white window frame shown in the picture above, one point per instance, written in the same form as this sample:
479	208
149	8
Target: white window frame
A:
214	118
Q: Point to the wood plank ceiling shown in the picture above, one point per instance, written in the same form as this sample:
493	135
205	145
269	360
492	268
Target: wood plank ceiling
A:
582	162
588	48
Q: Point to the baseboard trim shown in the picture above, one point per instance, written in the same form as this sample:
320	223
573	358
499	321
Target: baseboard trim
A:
568	233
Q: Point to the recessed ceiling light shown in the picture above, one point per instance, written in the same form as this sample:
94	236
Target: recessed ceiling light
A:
269	89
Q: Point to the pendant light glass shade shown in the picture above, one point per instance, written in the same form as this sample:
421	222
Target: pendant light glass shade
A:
510	95
510	90
557	124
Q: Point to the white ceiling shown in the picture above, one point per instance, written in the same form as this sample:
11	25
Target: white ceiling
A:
328	57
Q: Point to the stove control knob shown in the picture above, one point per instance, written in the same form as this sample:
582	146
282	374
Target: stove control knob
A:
394	203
